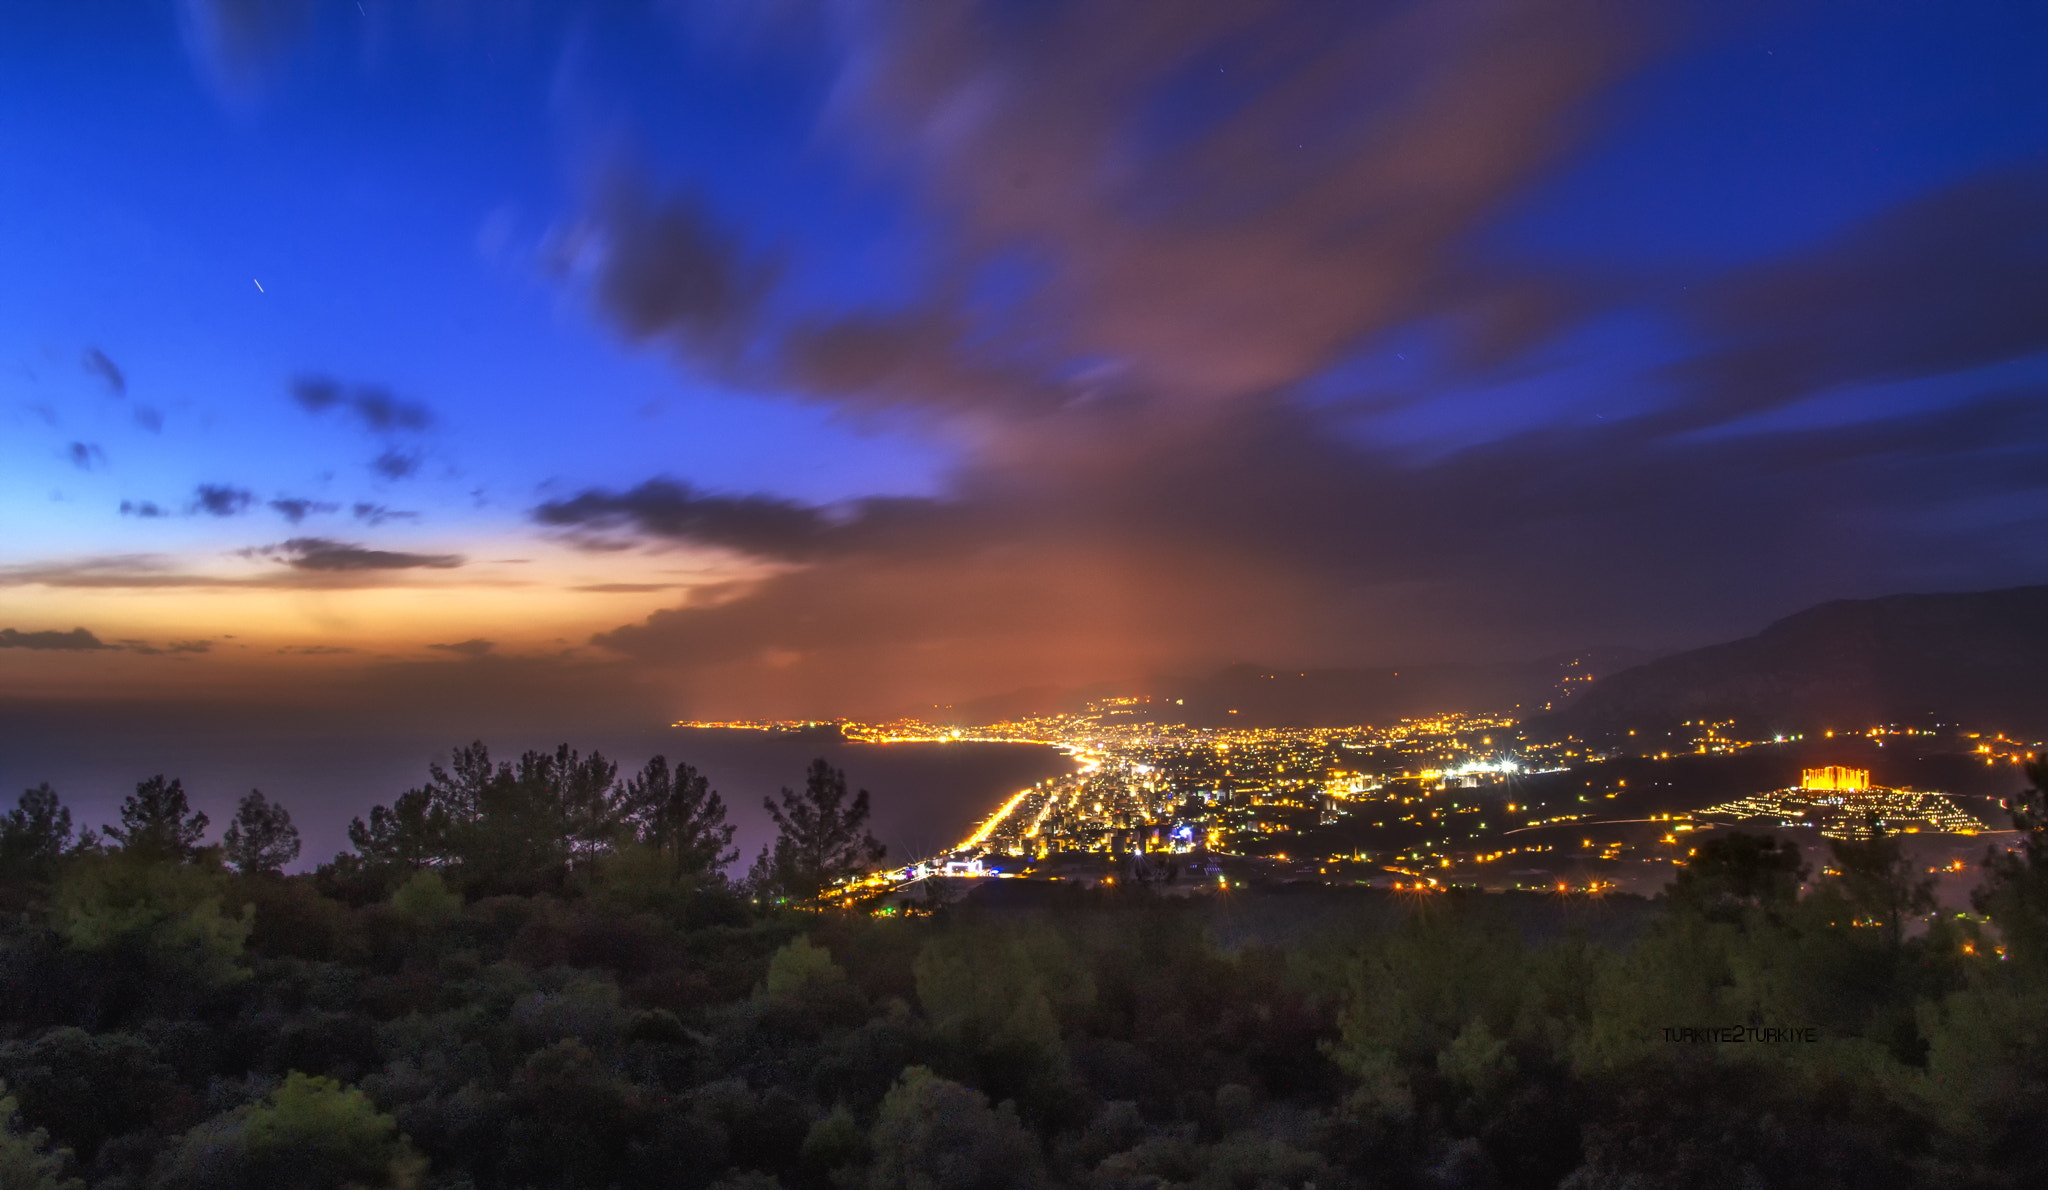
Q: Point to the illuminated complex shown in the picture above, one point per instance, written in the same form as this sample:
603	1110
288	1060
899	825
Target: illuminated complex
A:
1423	803
1841	803
1835	779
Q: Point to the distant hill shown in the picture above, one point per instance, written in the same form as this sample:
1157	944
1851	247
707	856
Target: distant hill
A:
1981	659
1256	696
1263	696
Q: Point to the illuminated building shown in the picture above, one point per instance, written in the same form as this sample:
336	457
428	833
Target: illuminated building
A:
1835	779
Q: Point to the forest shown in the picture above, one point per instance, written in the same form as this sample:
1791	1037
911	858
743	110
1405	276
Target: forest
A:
542	973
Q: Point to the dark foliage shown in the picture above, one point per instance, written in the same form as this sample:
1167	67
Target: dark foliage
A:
458	1006
261	838
34	835
156	820
821	838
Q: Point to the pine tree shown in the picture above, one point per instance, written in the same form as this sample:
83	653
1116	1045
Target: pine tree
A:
262	838
157	821
33	835
820	837
1881	881
679	814
411	833
576	796
2015	893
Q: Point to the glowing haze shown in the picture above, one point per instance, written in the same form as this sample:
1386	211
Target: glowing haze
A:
498	362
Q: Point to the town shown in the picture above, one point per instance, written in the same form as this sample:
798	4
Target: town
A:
1447	801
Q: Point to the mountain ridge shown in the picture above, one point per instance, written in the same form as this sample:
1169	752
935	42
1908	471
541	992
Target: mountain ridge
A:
1980	658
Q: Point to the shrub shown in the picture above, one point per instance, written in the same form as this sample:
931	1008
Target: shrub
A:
312	1134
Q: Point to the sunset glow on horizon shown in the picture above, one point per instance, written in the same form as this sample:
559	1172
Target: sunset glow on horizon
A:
839	363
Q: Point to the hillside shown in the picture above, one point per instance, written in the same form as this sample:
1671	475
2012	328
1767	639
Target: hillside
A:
1978	658
1268	696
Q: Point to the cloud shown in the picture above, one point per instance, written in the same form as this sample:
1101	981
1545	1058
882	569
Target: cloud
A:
96	363
663	508
174	648
666	270
1318	175
377	514
316	394
377	409
321	553
79	640
149	418
146	509
1118	313
1134	297
296	509
384	413
1269	537
220	500
467	648
86	455
145	572
75	641
1953	280
396	464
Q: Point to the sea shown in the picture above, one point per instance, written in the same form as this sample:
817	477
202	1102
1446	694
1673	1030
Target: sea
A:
924	797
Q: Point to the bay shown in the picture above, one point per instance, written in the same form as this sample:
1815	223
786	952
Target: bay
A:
925	797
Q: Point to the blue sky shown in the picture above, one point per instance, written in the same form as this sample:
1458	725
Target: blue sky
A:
836	358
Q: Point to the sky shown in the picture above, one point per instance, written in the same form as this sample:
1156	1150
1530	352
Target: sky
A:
484	368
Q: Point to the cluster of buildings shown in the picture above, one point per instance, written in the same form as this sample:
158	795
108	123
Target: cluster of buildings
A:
1841	803
1421	804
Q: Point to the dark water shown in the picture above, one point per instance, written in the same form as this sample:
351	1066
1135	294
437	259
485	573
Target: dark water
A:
925	796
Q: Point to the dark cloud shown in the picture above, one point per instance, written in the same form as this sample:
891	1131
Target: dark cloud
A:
96	363
1151	232
379	411
468	648
668	271
215	499
149	418
86	455
377	514
76	640
147	509
173	648
1322	170
1140	487
1325	166
384	413
396	464
296	509
1142	274
1311	547
316	394
918	358
80	640
662	508
1954	280
321	553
